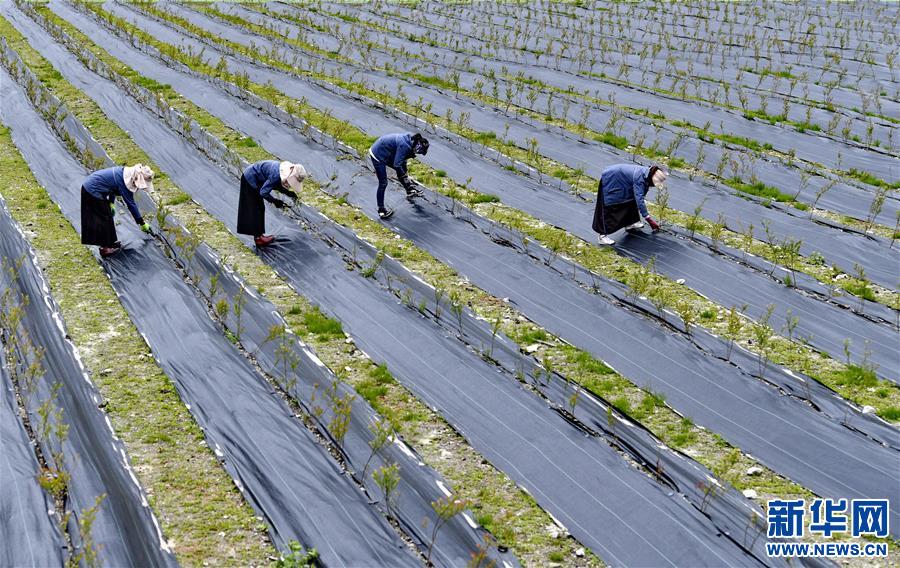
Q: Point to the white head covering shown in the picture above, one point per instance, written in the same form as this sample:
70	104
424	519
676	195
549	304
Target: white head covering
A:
659	177
292	174
138	177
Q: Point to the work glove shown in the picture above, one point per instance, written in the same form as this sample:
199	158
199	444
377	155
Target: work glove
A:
652	222
145	227
289	193
112	207
279	203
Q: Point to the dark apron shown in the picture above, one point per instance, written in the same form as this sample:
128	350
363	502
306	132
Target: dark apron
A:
610	218
98	226
251	211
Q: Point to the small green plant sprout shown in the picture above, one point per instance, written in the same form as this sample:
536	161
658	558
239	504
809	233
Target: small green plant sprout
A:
847	350
687	313
341	409
715	232
221	309
861	288
820	193
804	182
694	223
573	399
213	287
438	296
662	202
369	271
790	323
446	508
480	558
661	297
286	358
876	206
457	307
297	557
734	323
790	254
387	478
381	435
495	328
238	309
611	419
88	552
711	490
640	279
763	333
753	530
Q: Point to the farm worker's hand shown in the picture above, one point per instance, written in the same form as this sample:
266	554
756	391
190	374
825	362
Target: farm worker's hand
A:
145	227
279	203
652	222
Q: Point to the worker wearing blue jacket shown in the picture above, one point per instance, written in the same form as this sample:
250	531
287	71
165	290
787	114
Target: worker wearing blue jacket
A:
98	195
620	199
393	150
258	182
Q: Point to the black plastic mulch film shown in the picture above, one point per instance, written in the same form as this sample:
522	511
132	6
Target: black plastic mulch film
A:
124	531
603	503
217	207
737	408
468	332
25	508
732	284
297	486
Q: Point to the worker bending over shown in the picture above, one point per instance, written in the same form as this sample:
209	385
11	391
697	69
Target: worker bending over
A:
620	199
393	150
98	196
257	183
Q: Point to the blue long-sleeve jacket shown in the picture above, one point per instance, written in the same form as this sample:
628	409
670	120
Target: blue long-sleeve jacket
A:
626	182
110	182
393	150
264	176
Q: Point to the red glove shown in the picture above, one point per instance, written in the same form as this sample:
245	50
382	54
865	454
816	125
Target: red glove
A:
653	224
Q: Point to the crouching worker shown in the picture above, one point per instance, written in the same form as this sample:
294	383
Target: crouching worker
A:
393	150
620	199
98	196
257	183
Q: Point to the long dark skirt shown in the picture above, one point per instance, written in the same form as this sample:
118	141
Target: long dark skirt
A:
610	218
98	226
251	211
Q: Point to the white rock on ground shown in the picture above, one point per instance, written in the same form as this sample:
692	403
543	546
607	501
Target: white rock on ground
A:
868	409
755	470
750	493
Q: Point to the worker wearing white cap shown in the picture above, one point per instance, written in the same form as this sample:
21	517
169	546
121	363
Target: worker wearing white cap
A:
257	183
98	195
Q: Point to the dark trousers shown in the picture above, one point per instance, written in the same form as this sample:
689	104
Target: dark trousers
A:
610	218
381	172
251	218
98	227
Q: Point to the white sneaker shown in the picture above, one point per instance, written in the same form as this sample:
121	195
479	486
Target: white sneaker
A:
638	225
604	240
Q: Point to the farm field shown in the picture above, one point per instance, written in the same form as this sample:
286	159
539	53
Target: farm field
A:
474	380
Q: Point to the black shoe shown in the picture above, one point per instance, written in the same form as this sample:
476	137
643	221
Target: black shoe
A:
414	192
385	213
